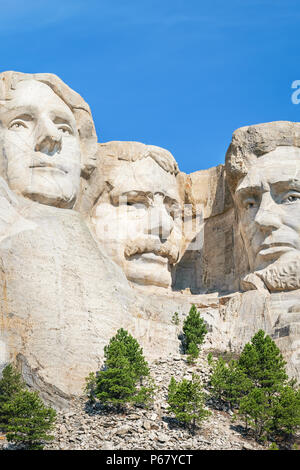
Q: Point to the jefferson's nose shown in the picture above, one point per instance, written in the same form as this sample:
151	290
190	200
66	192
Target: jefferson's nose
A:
268	216
48	137
160	222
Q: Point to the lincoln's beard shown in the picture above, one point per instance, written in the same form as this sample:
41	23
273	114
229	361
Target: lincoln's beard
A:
279	276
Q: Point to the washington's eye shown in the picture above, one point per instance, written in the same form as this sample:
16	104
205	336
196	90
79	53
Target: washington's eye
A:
17	125
137	204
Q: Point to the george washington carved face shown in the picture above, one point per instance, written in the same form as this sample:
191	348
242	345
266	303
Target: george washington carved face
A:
39	144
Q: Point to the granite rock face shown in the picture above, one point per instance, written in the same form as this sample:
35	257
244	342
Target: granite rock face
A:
94	237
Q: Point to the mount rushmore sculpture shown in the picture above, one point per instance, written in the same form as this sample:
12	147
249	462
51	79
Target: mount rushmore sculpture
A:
98	236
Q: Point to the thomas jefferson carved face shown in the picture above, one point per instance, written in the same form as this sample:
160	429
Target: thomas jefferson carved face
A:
40	145
138	220
268	201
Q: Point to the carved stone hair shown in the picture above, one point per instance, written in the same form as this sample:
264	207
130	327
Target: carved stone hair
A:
251	142
133	151
80	109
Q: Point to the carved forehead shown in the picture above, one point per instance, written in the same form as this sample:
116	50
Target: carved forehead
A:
32	95
142	175
29	90
279	165
250	144
9	82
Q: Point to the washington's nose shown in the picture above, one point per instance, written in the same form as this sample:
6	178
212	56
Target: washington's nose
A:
48	138
267	216
160	222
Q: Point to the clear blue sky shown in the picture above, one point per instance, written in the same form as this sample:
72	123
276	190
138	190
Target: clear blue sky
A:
181	74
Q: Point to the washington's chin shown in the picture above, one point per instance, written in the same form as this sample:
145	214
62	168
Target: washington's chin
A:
149	269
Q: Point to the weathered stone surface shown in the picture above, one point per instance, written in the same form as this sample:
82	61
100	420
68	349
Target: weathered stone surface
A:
69	280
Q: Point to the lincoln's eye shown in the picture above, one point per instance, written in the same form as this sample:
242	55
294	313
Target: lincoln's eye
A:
292	198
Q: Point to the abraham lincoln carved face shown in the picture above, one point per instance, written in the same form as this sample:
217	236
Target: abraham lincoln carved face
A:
267	198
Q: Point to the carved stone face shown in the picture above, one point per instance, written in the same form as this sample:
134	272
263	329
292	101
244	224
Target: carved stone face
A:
138	221
268	201
40	145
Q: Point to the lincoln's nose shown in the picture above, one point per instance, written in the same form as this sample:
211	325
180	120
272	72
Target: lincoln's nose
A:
268	216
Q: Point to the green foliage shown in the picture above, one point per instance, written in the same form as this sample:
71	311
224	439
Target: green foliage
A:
28	420
286	411
23	416
273	446
257	383
10	384
186	401
273	406
193	353
175	319
194	329
126	376
229	382
90	386
210	360
256	410
263	363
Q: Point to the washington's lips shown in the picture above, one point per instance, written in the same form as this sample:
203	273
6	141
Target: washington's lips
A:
49	166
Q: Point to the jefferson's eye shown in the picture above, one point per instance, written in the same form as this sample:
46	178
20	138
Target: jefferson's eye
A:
66	130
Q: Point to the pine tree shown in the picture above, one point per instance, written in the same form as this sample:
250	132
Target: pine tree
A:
126	376
256	410
193	353
286	412
194	329
229	382
186	401
263	363
123	345
28	420
10	384
23	416
272	408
